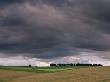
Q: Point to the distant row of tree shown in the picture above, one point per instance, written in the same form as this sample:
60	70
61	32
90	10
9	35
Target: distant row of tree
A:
78	64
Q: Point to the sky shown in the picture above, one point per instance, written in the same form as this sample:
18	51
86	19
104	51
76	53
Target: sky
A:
40	32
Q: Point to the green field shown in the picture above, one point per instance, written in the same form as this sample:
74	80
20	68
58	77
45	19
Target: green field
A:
37	69
55	74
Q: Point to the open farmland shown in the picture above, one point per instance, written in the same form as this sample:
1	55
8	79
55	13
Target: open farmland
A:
37	69
89	74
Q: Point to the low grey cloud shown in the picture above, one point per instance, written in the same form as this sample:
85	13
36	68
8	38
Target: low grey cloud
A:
49	29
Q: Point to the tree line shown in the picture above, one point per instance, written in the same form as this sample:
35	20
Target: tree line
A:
78	64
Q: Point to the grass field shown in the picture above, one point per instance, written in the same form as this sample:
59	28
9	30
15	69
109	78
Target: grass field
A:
55	74
37	69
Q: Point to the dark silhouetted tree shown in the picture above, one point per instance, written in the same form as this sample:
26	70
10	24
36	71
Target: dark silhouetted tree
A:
30	65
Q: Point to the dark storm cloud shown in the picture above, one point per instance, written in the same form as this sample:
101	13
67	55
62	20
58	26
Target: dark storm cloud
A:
9	2
49	29
99	10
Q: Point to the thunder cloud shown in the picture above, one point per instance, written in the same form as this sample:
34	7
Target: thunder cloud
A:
53	30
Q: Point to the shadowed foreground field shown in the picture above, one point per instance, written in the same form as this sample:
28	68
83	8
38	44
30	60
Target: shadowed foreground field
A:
89	74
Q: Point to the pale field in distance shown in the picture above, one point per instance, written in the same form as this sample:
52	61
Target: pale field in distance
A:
90	74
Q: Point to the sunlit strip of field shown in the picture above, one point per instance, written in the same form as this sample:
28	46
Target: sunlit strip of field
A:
38	69
89	74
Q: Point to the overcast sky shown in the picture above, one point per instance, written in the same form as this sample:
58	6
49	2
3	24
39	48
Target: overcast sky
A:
40	32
